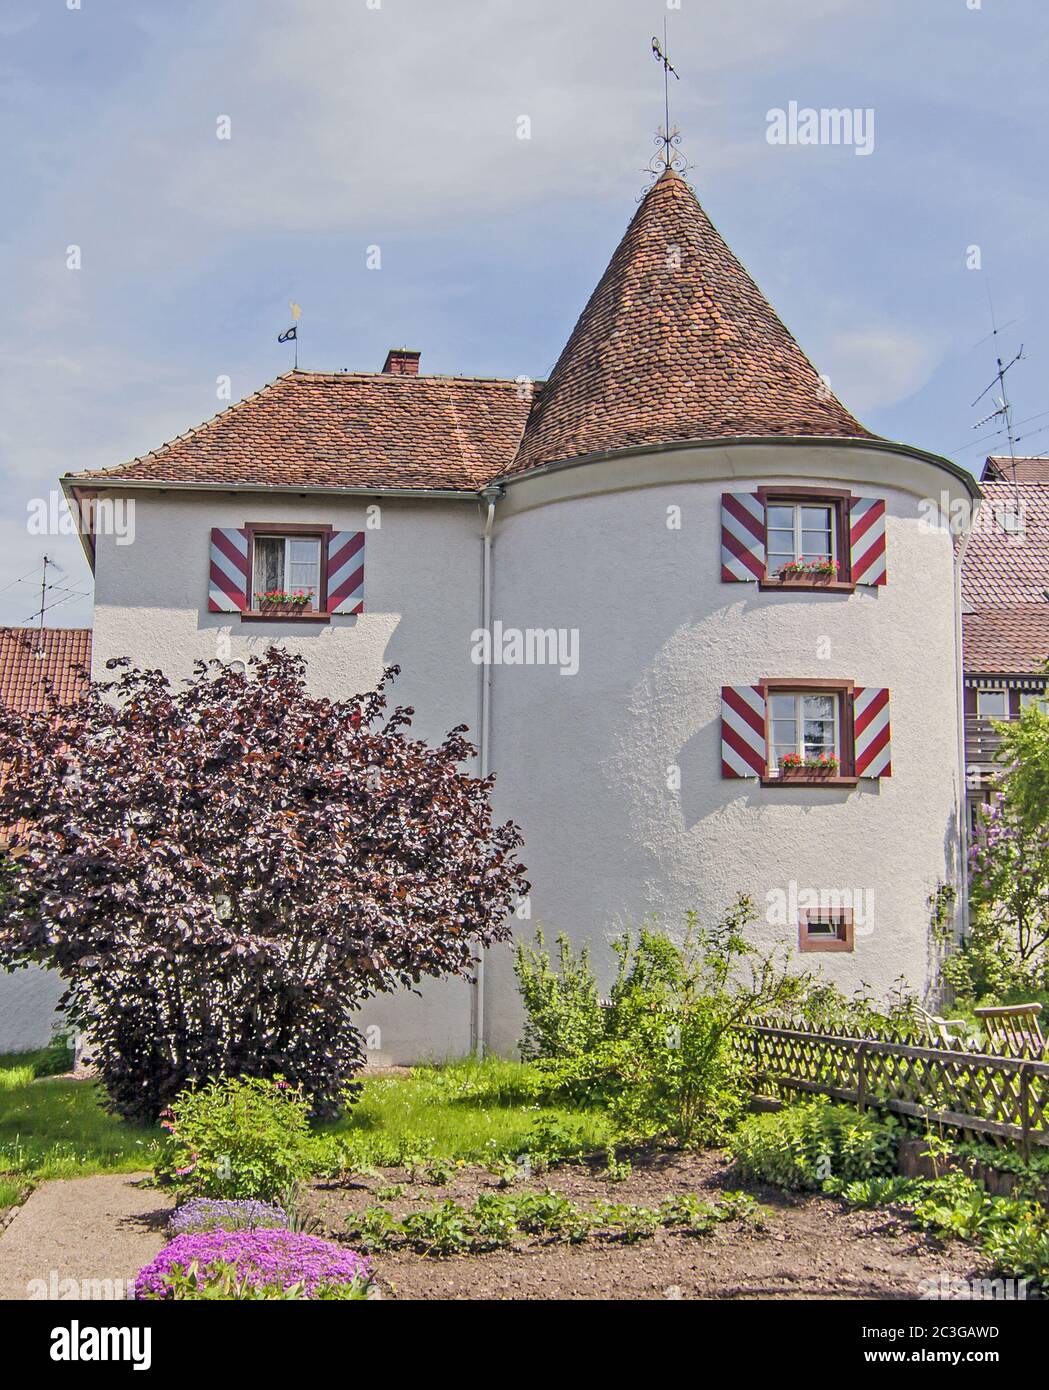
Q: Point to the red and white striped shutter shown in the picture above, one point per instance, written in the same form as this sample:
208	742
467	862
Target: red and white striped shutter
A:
744	751
867	540
346	572
742	536
870	722
229	579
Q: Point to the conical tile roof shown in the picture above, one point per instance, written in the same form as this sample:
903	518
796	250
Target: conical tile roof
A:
676	342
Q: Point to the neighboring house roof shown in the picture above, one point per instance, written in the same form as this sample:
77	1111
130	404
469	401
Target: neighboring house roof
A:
1007	640
1005	567
676	342
1025	469
1005	576
347	429
29	658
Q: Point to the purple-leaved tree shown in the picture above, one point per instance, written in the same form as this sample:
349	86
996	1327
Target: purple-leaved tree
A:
224	872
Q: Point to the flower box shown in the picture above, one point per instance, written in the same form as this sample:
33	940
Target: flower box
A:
819	571
279	602
793	765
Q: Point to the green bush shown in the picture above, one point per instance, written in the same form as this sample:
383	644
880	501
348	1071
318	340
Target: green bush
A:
241	1137
564	1014
813	1144
661	1058
1021	1250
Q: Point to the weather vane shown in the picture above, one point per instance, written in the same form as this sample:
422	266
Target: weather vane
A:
669	136
291	335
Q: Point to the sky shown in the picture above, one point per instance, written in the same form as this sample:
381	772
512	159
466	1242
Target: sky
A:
147	258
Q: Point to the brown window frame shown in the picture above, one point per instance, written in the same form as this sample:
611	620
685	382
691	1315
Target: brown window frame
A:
846	692
842	920
300	530
841	501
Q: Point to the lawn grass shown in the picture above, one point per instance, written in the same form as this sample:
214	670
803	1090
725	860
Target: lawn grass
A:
469	1110
466	1110
58	1129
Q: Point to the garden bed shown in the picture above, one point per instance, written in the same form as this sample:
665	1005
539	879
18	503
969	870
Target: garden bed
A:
809	1247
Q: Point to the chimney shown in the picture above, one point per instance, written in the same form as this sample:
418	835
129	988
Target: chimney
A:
402	362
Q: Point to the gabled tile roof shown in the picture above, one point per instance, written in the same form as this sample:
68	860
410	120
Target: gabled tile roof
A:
347	429
1005	576
29	658
1026	469
676	342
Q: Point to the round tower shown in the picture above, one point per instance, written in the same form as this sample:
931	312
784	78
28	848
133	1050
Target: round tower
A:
725	632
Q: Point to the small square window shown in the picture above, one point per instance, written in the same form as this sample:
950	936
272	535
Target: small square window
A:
825	929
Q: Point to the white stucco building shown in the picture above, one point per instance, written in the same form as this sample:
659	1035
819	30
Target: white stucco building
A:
692	566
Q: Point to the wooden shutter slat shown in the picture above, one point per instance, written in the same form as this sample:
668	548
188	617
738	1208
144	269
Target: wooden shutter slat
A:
346	572
867	541
744	743
872	734
742	537
229	581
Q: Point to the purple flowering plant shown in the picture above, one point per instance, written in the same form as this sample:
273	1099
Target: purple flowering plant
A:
202	1214
254	1264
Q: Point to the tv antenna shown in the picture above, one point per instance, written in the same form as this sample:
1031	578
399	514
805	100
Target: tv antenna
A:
1003	410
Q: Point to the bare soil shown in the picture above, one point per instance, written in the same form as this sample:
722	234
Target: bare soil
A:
811	1247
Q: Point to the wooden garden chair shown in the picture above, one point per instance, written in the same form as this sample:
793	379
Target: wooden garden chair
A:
1013	1029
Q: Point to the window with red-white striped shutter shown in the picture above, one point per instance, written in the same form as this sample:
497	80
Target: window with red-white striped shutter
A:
744	745
872	741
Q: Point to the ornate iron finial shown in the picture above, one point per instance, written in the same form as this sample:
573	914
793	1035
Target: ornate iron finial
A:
668	138
665	137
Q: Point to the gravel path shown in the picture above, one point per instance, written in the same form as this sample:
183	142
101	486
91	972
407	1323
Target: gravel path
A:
82	1238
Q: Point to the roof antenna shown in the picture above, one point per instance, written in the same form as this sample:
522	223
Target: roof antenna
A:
40	615
1004	410
291	335
669	137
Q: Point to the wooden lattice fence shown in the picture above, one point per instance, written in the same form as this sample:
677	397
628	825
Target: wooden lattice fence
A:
1000	1097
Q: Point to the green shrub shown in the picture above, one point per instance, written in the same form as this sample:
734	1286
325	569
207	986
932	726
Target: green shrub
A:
1020	1250
564	1012
238	1138
662	1058
810	1144
960	1207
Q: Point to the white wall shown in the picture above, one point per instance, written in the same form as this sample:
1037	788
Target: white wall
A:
28	1016
583	760
421	599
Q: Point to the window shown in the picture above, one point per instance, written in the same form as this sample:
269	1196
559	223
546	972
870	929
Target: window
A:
287	565
800	532
992	704
825	929
803	724
1034	697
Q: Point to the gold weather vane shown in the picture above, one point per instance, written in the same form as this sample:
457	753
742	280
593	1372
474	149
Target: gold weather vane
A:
669	136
